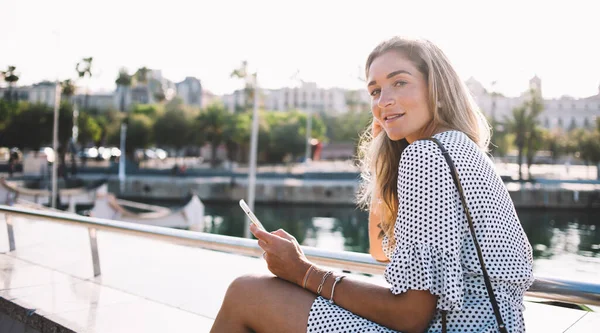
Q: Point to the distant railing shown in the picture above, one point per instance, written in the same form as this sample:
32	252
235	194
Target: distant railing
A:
543	287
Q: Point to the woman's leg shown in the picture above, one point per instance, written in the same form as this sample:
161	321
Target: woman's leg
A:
263	304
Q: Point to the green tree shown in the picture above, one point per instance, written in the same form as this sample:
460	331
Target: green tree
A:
346	127
10	77
524	124
173	129
288	134
7	111
238	132
556	143
534	144
139	133
30	127
151	110
211	127
590	150
90	131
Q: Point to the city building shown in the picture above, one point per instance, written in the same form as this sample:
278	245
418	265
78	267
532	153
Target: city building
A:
43	92
306	96
94	101
190	91
563	113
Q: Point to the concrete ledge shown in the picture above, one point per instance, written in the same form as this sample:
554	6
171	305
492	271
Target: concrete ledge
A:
17	319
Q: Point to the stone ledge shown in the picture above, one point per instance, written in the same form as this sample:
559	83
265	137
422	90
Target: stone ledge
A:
30	322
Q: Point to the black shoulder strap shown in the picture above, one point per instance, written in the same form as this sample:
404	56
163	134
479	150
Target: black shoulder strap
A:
488	284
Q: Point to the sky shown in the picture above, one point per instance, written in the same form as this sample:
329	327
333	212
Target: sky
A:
327	41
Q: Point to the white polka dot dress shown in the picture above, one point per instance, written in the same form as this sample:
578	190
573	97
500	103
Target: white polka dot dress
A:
434	249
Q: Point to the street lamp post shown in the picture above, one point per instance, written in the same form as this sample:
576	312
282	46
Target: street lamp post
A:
253	151
308	111
122	158
55	144
308	133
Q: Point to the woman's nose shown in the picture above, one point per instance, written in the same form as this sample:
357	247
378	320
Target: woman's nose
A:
385	100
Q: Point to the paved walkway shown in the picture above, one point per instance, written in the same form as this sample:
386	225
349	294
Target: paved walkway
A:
151	286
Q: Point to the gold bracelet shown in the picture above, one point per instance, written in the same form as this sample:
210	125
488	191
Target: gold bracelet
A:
337	279
323	282
306	275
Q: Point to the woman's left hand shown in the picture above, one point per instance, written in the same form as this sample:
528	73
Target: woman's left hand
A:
283	254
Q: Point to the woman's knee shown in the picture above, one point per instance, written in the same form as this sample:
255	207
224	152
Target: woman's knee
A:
243	286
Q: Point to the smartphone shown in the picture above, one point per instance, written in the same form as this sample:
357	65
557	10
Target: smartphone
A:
251	215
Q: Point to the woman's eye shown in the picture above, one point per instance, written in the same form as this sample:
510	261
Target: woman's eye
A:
374	92
400	83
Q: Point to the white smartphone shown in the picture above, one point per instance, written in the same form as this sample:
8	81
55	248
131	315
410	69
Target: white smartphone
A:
251	215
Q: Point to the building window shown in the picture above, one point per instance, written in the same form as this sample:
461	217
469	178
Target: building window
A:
560	122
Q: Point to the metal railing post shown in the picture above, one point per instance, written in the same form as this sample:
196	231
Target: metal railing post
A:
9	230
94	246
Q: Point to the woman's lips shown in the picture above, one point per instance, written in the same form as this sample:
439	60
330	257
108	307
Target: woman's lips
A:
391	118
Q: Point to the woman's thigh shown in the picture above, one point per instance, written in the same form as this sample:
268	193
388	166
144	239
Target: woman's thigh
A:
270	304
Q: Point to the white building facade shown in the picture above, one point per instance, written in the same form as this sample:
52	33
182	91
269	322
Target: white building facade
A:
190	91
308	96
564	113
43	92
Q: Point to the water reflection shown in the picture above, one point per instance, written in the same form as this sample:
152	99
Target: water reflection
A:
550	232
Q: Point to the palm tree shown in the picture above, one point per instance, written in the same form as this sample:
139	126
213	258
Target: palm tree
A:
141	75
84	68
141	78
11	79
68	89
524	124
123	82
242	73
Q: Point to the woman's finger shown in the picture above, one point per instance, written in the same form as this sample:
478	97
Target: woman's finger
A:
263	235
263	245
283	234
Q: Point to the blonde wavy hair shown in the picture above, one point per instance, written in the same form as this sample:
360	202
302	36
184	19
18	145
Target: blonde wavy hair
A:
452	107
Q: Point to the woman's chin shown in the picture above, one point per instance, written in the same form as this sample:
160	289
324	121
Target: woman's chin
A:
395	136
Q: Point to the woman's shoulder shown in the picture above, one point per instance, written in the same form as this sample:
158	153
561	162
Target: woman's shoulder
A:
449	139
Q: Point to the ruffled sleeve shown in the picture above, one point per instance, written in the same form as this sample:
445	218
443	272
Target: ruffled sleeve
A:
429	228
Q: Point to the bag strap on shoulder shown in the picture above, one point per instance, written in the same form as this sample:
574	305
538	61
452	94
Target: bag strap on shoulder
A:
488	284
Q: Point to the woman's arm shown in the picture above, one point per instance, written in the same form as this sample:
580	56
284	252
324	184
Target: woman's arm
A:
375	231
407	312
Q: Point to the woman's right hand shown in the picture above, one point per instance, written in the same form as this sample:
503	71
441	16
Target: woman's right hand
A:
376	128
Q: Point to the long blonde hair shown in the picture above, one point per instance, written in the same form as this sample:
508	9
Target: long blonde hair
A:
452	107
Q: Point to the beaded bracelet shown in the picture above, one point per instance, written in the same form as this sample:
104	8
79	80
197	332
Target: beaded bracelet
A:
337	279
323	282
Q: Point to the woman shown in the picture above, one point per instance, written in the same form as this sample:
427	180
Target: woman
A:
416	221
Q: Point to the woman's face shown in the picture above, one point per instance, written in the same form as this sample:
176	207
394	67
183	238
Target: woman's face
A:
399	96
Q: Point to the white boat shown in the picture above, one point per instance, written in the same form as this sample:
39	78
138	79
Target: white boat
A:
190	216
12	191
